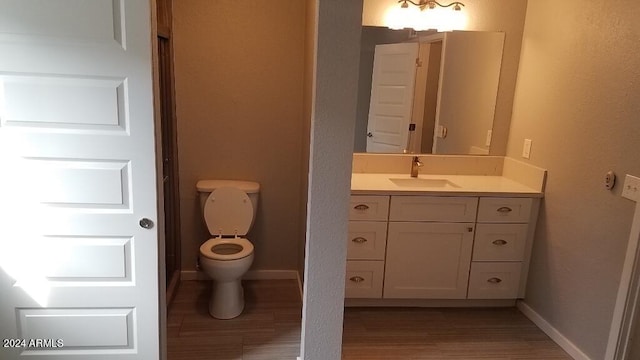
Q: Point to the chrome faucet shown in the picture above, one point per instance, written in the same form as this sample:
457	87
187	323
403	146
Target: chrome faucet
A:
415	165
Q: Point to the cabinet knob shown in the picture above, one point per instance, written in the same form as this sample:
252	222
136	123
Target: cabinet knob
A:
361	207
470	229
356	279
504	210
495	280
359	240
499	242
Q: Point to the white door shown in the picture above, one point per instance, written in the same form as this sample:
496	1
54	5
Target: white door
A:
392	82
78	274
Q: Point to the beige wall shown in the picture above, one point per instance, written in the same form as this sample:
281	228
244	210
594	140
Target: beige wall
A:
239	95
577	99
483	15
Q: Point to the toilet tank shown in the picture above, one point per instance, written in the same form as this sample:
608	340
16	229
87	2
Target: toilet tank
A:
205	187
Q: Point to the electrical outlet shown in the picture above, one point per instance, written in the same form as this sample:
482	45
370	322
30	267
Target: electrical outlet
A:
526	149
631	189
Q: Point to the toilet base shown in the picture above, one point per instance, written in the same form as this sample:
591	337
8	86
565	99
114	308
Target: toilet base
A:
227	299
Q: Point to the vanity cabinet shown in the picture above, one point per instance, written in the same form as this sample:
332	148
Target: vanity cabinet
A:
438	247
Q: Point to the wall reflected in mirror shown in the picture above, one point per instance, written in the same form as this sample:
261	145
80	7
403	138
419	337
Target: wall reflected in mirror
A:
427	92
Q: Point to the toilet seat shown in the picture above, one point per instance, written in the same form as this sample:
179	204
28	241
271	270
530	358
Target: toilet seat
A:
207	249
228	211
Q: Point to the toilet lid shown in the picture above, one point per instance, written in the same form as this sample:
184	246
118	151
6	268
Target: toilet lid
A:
228	211
226	249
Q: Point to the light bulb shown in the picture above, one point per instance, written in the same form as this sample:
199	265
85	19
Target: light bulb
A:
398	17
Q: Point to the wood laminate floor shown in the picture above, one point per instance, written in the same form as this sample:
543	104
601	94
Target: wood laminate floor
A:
269	329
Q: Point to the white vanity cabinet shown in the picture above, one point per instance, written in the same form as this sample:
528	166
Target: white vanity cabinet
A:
439	247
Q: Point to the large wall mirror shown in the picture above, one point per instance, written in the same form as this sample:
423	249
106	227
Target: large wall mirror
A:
429	93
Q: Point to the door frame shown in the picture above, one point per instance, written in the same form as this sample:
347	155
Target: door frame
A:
628	299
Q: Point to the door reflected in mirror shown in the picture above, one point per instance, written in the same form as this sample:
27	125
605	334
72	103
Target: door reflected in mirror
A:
427	93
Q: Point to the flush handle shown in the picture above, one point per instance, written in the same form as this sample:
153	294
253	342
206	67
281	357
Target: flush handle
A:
499	242
359	240
361	207
146	223
495	280
505	210
356	279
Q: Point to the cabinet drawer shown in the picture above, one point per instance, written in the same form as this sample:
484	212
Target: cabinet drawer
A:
433	208
364	279
369	208
499	242
367	240
499	280
504	209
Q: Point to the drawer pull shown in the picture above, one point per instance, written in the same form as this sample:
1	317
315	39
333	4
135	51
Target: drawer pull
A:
356	279
495	280
361	207
504	210
499	242
359	240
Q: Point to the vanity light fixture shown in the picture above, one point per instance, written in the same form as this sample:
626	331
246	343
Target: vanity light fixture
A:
423	4
426	15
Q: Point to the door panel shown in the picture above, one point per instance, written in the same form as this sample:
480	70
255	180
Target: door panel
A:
393	79
78	173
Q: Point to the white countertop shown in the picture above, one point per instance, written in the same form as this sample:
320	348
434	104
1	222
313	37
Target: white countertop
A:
475	185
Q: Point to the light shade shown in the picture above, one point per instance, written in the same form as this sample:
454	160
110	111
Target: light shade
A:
398	17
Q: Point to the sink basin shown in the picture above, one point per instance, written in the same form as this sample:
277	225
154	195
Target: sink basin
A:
420	182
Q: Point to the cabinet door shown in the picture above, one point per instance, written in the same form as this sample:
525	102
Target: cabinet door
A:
364	279
494	280
428	260
363	207
367	240
504	210
499	242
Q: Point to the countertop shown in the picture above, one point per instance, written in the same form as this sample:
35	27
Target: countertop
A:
459	185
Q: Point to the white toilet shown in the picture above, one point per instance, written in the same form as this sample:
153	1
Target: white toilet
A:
228	208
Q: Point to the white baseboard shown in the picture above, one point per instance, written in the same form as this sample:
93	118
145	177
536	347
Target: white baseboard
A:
250	275
552	332
190	275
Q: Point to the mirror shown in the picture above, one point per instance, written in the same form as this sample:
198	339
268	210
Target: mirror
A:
427	92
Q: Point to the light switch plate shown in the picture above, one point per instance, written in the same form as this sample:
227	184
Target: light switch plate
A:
526	149
631	188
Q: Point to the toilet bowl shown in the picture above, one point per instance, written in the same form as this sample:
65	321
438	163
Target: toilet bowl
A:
228	209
